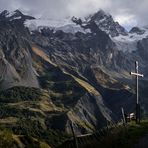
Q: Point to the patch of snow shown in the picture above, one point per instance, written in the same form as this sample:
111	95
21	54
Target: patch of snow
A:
73	28
16	18
105	27
10	14
100	21
129	43
111	56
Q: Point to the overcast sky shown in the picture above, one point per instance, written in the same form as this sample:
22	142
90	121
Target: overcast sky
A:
127	12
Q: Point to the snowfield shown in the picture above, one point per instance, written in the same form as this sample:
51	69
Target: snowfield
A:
129	43
65	25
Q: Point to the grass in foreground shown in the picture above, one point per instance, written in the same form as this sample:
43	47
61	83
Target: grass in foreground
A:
123	137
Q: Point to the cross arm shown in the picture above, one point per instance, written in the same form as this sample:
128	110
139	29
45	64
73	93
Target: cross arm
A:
136	74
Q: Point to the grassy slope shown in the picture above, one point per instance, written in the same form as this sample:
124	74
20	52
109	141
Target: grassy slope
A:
122	137
8	139
25	112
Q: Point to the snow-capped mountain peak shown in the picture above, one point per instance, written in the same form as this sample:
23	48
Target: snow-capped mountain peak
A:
106	23
14	15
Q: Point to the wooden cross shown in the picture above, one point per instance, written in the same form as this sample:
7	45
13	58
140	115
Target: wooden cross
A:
137	91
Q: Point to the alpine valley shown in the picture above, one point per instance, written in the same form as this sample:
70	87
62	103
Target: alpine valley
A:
54	72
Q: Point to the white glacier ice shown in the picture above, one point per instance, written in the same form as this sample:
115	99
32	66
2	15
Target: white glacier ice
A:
65	25
129	43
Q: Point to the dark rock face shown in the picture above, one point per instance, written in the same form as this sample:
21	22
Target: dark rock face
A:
137	30
142	46
16	62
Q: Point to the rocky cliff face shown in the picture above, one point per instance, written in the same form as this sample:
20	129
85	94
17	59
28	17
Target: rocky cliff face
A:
84	75
16	63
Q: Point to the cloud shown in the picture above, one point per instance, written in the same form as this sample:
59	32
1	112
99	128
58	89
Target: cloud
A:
128	13
128	21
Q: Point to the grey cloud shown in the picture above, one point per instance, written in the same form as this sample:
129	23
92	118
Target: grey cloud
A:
137	9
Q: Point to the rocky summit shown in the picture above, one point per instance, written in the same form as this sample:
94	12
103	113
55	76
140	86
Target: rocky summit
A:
78	72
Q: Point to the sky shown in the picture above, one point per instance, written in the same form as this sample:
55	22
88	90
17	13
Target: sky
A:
127	12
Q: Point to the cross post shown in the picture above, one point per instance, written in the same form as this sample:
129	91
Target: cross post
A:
137	91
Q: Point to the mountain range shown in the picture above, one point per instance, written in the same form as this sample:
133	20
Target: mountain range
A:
77	70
